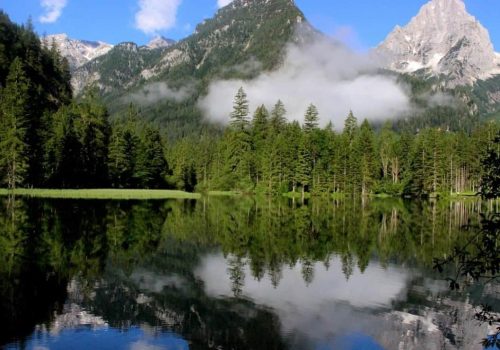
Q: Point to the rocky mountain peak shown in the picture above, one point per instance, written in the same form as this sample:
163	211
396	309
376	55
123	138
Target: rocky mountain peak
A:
160	42
78	52
443	39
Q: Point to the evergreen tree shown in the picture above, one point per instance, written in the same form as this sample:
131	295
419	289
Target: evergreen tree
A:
350	157
14	116
278	119
490	181
123	148
151	165
260	133
311	118
93	130
365	148
239	115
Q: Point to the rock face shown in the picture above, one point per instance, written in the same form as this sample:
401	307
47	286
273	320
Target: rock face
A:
78	52
443	39
160	42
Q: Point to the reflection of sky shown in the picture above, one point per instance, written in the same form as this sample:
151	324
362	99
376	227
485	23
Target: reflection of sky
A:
329	307
112	339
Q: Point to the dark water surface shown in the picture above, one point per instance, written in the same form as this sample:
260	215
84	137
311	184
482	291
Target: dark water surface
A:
234	273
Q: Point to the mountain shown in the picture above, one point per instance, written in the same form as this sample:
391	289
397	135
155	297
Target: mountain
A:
255	31
442	40
117	70
78	52
243	30
160	42
443	50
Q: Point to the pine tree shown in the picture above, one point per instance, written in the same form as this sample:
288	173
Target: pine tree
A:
151	166
350	157
239	116
278	119
93	130
365	148
311	118
303	168
260	133
14	116
124	146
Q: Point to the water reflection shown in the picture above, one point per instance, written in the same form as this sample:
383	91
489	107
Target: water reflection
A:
233	273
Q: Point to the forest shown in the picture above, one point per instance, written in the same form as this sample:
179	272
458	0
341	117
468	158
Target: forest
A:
48	139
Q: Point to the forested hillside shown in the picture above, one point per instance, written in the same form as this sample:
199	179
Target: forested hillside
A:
49	140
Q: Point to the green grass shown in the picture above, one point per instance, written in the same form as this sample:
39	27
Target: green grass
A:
224	193
101	194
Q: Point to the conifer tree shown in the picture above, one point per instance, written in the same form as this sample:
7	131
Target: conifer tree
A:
151	166
311	118
239	115
260	133
365	148
14	116
123	149
278	119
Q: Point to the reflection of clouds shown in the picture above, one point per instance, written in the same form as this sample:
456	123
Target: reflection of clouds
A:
329	306
376	287
153	282
142	345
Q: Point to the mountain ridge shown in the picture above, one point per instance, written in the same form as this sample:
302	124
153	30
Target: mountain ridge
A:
442	39
78	52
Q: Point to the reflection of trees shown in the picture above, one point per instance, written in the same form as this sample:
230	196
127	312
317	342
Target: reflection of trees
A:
273	234
103	244
29	293
236	271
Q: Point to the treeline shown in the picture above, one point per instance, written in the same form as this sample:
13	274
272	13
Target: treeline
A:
266	153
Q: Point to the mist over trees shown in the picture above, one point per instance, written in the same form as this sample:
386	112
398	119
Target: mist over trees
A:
48	139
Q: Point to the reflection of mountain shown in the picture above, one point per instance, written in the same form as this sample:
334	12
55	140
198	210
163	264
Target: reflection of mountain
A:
236	273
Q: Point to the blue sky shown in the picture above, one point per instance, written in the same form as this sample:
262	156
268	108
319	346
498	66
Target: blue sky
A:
360	23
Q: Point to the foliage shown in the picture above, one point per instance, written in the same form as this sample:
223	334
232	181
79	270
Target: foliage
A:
478	259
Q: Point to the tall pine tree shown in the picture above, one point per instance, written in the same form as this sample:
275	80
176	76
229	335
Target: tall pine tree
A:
14	116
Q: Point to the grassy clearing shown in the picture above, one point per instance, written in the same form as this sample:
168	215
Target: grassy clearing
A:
101	194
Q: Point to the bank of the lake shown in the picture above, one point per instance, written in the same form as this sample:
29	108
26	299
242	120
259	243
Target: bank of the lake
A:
100	193
147	194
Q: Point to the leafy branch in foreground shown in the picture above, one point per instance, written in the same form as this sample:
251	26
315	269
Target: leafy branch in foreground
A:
478	260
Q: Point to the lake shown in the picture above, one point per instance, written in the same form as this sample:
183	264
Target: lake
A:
235	273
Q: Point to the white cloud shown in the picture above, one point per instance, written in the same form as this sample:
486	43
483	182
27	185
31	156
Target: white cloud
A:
222	3
53	10
329	305
155	92
155	15
322	72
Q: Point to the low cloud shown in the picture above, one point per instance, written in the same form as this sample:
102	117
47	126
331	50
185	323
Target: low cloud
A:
155	92
53	10
222	3
247	68
156	15
323	72
441	99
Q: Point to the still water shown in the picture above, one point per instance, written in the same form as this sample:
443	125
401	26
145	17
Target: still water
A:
234	273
